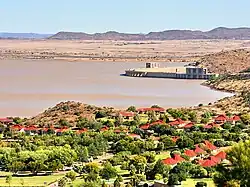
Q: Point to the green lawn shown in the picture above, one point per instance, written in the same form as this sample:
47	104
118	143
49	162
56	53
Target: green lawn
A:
192	182
162	155
31	181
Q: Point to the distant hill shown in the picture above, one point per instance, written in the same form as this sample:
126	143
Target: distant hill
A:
217	33
5	35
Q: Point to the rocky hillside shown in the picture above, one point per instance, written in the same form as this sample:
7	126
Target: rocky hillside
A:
226	62
67	111
217	33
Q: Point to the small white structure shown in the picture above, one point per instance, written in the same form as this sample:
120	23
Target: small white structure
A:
152	65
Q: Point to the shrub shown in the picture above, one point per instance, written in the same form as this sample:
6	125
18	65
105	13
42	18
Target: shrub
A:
201	184
100	114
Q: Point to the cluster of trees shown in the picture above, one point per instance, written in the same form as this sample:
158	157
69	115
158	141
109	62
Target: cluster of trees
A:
51	159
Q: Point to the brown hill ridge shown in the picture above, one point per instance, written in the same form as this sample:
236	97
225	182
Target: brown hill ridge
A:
226	62
68	111
217	33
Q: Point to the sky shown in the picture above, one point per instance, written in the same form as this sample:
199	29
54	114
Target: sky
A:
128	16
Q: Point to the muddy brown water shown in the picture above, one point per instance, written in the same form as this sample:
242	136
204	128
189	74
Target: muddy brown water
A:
28	87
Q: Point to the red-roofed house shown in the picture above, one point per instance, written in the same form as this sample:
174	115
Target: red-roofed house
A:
209	145
61	130
198	150
169	161
82	131
188	126
178	122
220	119
207	163
127	115
178	158
211	125
215	159
145	126
190	153
221	155
234	119
6	120
105	128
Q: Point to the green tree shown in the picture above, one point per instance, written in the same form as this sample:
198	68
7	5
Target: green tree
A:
173	179
185	142
131	109
71	175
245	118
118	120
62	182
108	171
8	179
152	116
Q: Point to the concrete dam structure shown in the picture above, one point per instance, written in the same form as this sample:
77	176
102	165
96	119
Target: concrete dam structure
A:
153	70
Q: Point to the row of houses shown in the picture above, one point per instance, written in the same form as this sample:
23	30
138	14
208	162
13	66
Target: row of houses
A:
179	123
200	155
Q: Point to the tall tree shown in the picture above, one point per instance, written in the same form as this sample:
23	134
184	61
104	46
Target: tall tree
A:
239	169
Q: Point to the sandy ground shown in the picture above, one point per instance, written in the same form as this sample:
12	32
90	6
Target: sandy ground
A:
173	50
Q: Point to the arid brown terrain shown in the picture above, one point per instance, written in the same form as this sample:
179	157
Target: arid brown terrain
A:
77	50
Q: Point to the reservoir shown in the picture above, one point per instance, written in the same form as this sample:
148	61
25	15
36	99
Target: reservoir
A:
28	87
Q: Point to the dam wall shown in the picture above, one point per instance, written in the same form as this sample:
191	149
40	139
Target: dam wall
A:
136	73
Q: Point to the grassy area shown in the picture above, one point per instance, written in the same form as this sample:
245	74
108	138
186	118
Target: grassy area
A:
31	181
192	182
163	155
4	174
76	183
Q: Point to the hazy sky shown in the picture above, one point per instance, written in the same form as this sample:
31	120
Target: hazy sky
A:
132	16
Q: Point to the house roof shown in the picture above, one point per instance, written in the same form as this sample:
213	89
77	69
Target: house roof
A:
169	161
31	128
234	118
127	114
190	153
82	131
198	149
215	159
189	125
145	126
178	158
221	155
209	145
177	122
6	120
105	128
221	117
207	163
211	125
17	127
